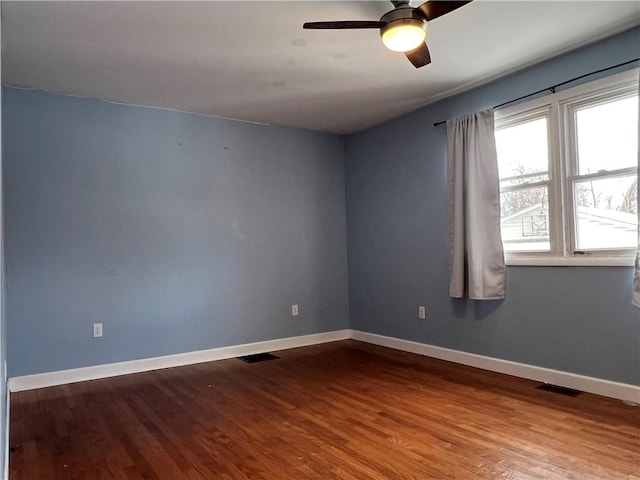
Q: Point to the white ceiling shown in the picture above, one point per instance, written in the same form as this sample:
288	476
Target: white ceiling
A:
253	61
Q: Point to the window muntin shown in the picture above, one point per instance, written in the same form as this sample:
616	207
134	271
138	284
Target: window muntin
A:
583	205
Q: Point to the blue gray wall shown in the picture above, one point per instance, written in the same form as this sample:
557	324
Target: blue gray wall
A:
574	319
4	429
177	232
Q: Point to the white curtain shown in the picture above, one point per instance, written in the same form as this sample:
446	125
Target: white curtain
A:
476	261
636	278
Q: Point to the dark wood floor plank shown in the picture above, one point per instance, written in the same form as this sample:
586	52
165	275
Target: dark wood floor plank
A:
343	411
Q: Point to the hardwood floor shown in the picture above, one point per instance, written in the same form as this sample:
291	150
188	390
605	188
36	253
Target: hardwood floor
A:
344	410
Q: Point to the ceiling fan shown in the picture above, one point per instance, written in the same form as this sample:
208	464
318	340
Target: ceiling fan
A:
402	29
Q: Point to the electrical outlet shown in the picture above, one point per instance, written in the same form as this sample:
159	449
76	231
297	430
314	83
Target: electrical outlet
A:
294	310
97	329
422	313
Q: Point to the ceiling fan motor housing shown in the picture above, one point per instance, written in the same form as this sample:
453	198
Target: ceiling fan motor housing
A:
403	15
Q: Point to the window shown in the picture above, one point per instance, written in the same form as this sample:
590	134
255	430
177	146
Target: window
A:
568	166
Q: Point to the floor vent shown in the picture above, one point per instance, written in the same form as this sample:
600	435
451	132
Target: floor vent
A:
258	357
569	392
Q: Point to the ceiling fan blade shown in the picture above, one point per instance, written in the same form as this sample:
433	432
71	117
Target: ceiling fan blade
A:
343	24
436	8
420	56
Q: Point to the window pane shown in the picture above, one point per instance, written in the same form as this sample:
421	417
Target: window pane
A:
608	136
606	213
523	152
524	220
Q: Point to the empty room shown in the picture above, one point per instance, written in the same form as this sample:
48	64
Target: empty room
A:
320	240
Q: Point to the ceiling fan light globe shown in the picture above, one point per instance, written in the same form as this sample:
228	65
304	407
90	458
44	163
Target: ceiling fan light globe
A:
403	36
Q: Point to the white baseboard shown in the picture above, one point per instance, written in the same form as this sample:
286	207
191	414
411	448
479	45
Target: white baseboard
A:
622	391
49	379
607	388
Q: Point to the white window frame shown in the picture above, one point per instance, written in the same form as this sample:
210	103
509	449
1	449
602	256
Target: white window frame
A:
560	110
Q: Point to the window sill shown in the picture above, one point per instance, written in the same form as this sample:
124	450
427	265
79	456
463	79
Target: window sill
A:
582	261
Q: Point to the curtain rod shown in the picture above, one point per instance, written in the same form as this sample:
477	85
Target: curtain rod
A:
553	87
